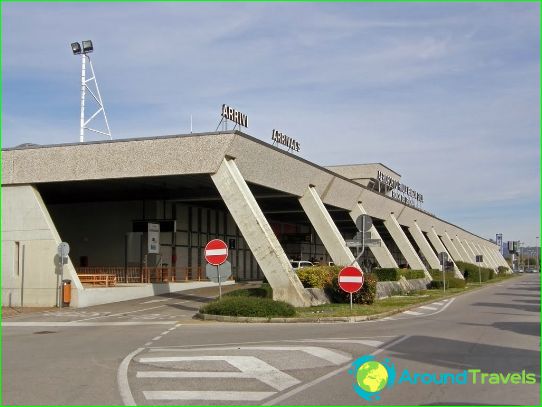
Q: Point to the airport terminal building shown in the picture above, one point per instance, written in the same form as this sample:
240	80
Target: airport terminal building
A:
269	205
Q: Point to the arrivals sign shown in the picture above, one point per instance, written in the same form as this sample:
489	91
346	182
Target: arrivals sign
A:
400	192
235	116
283	139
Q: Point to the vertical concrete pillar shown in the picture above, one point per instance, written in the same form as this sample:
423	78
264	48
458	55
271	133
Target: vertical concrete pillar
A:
325	228
402	242
451	248
258	234
382	254
424	246
439	247
459	246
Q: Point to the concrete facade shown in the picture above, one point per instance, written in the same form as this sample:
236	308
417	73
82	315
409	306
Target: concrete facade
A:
323	194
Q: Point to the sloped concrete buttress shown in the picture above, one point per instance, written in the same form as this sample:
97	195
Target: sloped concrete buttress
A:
491	260
439	247
451	248
404	245
259	236
478	249
424	246
382	254
459	246
469	248
325	228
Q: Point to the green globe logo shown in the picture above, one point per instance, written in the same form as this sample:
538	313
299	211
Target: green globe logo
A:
372	376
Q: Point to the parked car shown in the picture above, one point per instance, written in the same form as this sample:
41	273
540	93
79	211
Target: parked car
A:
299	264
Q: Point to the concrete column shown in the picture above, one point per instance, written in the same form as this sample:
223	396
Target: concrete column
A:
259	236
451	247
439	247
382	254
424	246
325	228
459	246
402	242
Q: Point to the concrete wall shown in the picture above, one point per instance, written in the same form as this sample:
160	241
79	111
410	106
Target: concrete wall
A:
30	267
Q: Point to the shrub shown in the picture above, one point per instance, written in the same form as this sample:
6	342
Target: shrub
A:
248	307
502	270
391	274
412	274
264	291
317	276
451	282
366	295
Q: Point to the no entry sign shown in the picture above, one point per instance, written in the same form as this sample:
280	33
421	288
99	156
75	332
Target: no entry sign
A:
216	252
350	279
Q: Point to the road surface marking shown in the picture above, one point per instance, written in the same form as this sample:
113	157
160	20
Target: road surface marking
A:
148	343
256	368
329	375
79	324
207	395
413	313
322	353
120	313
122	379
170	375
368	342
438	303
428	307
150	301
156	338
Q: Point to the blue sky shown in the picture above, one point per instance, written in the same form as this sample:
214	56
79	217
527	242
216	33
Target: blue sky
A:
448	95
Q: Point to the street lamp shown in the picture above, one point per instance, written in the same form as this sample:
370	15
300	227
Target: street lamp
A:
84	49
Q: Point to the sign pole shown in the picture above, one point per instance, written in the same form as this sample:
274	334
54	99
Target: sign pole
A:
350	301
219	283
444	276
479	274
60	291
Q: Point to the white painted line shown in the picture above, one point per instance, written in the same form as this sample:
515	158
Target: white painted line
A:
208	395
148	343
172	375
150	301
322	353
250	365
305	386
172	329
413	313
216	252
368	342
350	279
165	332
80	324
428	307
120	313
122	379
438	303
157	338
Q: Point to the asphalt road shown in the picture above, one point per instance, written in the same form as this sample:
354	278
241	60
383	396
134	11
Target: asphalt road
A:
150	351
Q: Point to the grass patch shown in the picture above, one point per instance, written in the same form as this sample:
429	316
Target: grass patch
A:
246	306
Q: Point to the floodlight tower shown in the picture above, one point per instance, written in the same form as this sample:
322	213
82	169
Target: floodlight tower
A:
84	49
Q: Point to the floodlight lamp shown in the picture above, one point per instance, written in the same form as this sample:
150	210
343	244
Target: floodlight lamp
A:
76	48
87	46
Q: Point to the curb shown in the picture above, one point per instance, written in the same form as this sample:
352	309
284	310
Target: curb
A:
356	318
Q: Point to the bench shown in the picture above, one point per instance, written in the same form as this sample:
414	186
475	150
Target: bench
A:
109	280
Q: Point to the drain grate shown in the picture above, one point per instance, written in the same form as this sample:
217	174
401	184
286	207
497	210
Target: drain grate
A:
44	332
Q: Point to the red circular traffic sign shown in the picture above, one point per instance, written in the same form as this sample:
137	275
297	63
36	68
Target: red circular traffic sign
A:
216	252
350	279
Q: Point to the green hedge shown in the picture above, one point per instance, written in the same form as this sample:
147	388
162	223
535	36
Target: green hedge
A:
472	273
412	274
394	274
502	270
248	307
452	282
317	276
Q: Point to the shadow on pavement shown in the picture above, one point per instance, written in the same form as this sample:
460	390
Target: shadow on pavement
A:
528	308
